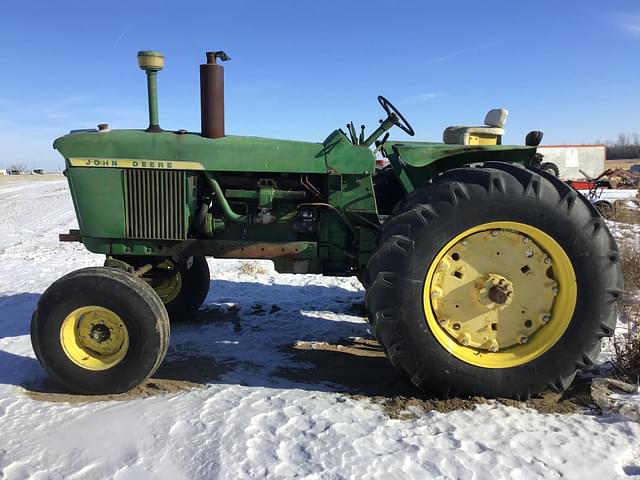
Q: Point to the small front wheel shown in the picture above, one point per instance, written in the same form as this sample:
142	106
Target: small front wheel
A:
181	291
100	331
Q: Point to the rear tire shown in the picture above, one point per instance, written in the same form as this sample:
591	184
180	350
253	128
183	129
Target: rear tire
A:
99	331
404	268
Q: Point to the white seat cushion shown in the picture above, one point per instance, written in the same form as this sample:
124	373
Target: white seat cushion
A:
493	125
460	135
496	117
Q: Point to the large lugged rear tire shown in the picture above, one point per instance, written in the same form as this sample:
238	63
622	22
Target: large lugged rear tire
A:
494	281
100	330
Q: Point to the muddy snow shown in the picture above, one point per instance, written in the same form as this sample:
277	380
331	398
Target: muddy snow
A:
277	376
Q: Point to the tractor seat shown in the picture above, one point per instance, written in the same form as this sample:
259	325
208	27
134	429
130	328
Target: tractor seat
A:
489	134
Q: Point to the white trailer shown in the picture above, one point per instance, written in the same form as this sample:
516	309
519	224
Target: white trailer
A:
572	159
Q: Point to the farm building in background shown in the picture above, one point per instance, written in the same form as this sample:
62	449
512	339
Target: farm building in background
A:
570	159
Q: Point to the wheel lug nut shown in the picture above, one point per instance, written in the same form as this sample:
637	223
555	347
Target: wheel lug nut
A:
493	347
494	233
547	260
525	240
555	290
546	318
466	340
524	340
529	253
456	326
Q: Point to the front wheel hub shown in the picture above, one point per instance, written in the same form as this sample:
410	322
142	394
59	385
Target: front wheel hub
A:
100	333
94	337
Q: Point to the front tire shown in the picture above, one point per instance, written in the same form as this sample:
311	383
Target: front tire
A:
181	291
521	309
99	331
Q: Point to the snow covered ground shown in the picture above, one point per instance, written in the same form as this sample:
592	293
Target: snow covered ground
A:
276	378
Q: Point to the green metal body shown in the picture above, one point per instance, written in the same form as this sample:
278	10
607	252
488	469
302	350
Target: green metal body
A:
309	207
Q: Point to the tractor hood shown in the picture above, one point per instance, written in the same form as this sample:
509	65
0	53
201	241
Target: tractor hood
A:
190	151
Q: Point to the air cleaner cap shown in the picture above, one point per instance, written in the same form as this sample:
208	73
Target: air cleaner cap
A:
151	60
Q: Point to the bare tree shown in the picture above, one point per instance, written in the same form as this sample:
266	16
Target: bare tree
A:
625	146
18	167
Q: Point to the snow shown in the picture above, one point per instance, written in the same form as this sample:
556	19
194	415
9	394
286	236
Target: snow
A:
240	414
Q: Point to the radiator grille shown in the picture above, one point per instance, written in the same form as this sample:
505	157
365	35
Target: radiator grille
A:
155	204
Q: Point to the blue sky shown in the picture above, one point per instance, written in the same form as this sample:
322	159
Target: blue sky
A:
299	69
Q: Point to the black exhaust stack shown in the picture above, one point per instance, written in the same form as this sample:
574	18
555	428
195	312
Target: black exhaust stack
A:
212	95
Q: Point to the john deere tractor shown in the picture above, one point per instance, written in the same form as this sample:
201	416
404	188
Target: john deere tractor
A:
484	275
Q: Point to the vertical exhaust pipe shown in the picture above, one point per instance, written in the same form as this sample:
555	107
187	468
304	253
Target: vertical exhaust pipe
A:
152	62
212	95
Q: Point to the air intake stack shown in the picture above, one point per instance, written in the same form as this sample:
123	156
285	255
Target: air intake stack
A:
212	95
152	62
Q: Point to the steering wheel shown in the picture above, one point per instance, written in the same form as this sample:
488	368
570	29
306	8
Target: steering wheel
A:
396	116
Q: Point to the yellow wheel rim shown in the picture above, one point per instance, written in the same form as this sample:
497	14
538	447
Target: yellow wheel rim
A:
500	294
170	287
94	338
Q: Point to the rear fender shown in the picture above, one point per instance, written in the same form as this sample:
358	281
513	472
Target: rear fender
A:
417	163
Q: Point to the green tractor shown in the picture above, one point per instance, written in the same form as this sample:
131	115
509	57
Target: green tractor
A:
484	275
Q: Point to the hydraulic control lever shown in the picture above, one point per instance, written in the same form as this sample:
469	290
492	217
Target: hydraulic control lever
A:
352	133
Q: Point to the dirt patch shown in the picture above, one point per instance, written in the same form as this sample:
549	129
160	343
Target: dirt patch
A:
626	214
358	367
178	374
407	408
353	365
252	269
